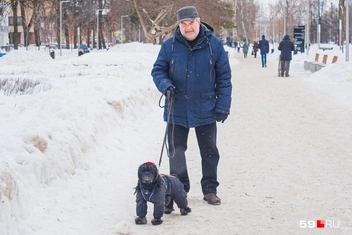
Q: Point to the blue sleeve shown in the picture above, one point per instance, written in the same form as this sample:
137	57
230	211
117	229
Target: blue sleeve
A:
223	81
160	71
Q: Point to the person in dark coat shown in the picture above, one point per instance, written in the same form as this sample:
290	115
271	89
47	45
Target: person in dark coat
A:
193	70
264	49
245	49
255	49
286	47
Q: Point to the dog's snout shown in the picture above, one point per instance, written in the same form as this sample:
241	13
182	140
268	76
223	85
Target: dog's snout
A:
148	181
147	178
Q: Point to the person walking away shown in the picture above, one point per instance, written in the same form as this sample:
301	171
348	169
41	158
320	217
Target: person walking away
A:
286	47
192	69
255	49
245	49
264	49
238	47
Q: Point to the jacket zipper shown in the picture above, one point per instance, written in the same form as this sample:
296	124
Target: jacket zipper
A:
172	69
210	70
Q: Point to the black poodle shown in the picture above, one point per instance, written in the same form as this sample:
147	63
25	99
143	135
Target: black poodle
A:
159	190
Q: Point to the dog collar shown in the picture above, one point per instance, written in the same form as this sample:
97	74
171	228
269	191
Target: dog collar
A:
145	192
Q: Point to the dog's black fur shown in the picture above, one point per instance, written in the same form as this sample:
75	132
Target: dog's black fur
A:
160	190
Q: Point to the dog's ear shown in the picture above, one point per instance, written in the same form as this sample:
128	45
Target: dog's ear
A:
137	188
140	170
155	168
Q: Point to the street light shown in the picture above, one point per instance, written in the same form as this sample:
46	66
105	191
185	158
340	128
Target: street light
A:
122	26
61	26
104	12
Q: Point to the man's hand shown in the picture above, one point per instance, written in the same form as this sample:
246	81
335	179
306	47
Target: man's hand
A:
221	117
170	93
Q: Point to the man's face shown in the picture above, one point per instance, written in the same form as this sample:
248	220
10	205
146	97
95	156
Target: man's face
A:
190	29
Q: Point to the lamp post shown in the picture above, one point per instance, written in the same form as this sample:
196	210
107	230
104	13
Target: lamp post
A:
307	32
61	26
104	12
122	25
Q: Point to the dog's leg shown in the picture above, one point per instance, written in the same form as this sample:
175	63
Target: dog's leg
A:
167	200
168	210
140	220
156	221
185	211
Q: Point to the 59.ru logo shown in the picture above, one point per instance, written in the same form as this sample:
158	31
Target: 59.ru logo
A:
319	223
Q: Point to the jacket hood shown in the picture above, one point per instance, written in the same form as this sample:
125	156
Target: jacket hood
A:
263	36
286	37
207	27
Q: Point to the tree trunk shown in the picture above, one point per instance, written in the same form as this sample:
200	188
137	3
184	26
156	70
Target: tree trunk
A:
37	34
58	28
14	5
67	37
24	25
342	14
149	38
75	37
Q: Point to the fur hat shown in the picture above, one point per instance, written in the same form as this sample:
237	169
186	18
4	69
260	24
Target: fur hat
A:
187	13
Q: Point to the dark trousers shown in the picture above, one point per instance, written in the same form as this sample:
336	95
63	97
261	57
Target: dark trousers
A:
285	67
206	137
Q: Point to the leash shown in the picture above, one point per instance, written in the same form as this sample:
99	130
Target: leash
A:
170	114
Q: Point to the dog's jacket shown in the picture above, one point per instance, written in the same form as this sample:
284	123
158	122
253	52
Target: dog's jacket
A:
170	186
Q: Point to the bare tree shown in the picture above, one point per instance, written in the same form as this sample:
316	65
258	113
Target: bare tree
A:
158	18
320	12
35	8
14	6
245	15
3	9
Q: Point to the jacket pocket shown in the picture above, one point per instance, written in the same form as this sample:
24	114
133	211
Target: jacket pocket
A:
208	104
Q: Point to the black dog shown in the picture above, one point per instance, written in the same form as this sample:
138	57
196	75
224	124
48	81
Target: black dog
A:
159	190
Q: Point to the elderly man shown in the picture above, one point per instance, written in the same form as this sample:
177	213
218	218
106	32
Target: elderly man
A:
192	68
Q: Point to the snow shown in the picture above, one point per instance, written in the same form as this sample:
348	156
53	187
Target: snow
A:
74	135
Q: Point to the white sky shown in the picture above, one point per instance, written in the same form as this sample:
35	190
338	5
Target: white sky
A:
69	151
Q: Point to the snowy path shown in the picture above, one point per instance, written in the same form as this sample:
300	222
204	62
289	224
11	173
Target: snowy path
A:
286	154
285	157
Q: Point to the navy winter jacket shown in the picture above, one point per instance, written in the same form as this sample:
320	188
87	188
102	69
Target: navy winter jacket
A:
200	75
263	45
286	47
